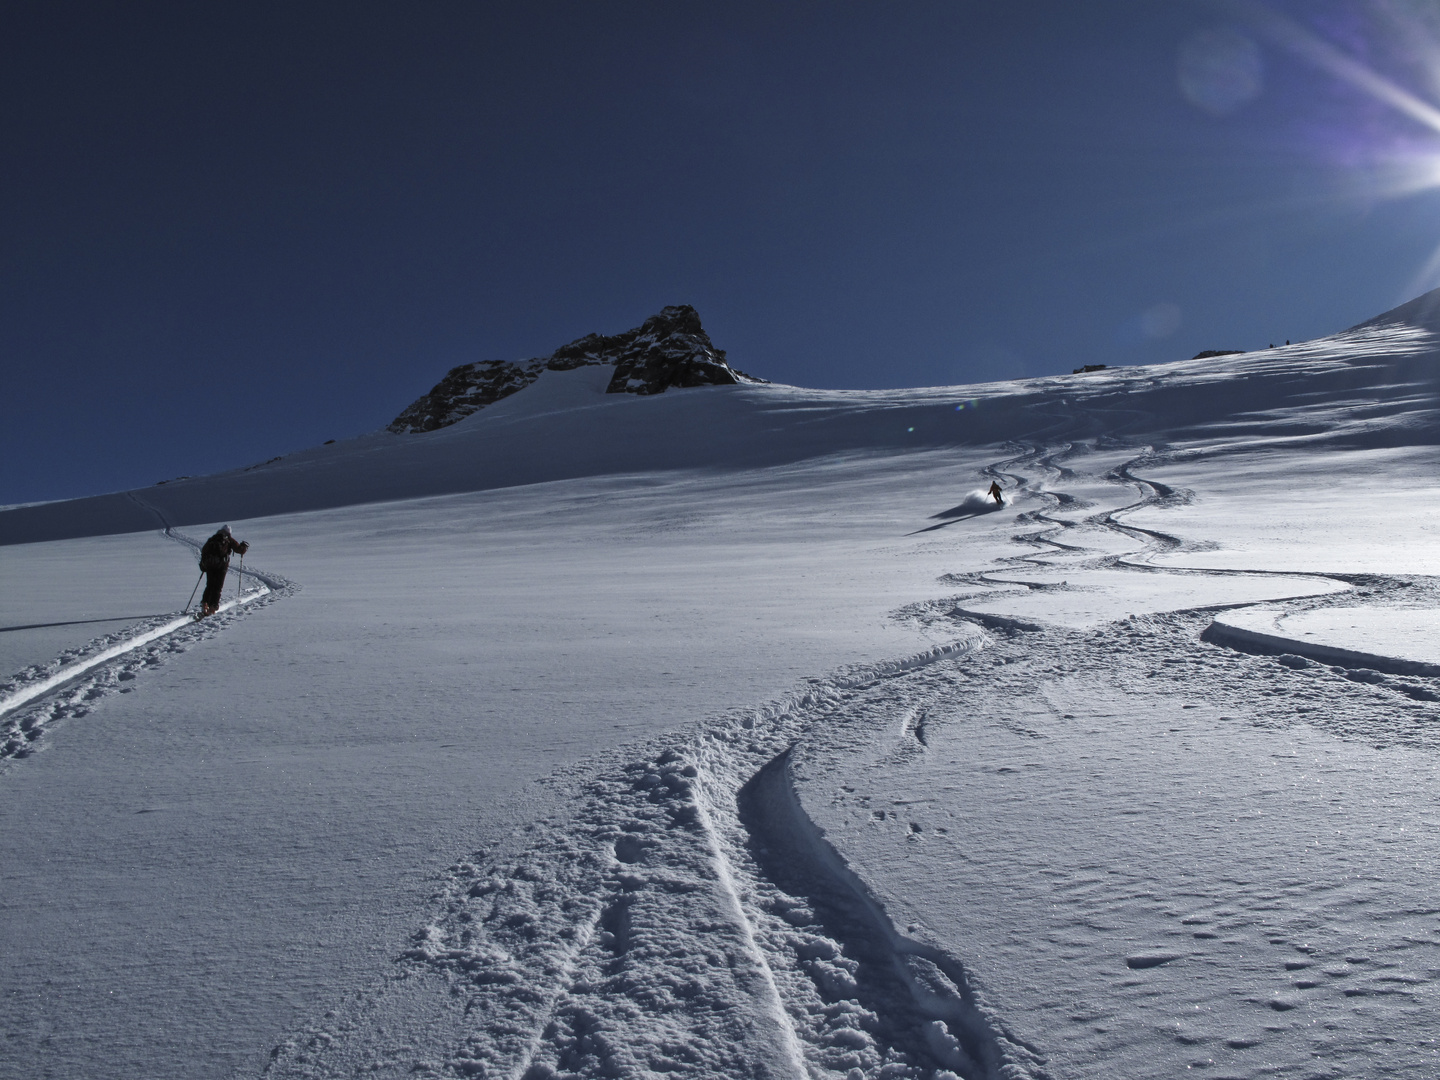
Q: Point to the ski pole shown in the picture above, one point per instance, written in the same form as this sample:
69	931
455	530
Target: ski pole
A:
240	581
193	592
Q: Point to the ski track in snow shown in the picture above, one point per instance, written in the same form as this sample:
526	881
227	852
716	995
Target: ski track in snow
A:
687	917
68	687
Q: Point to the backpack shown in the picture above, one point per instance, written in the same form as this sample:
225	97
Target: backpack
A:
213	554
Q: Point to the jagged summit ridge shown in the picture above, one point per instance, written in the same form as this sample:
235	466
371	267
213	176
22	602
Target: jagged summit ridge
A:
669	349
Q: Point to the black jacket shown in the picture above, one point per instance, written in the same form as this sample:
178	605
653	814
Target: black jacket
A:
215	555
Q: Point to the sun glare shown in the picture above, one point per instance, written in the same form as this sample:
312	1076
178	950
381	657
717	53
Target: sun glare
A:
1384	161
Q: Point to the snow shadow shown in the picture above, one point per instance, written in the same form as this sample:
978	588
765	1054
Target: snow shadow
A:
1296	652
918	998
973	505
84	622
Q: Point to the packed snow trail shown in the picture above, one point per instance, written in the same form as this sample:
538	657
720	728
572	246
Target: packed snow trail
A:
71	671
107	665
1386	641
1362	387
1361	976
655	932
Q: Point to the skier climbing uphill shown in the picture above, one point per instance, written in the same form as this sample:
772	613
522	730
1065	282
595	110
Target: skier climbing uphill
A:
994	493
215	561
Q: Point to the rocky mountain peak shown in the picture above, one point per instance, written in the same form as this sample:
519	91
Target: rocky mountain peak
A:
670	349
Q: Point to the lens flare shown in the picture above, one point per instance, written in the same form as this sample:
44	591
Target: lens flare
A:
1382	160
1160	321
1219	70
1320	53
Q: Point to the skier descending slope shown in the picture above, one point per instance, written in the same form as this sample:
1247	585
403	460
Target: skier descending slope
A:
994	493
215	561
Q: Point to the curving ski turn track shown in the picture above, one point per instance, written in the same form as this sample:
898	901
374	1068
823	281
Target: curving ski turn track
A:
690	916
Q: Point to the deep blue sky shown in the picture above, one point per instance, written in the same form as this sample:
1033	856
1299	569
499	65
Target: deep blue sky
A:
230	231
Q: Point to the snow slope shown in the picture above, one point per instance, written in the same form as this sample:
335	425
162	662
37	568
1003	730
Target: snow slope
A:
1371	387
730	733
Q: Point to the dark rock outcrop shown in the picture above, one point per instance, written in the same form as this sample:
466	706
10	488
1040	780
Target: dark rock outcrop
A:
1206	354
668	350
464	390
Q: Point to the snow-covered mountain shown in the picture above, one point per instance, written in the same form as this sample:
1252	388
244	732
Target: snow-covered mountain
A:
570	425
738	732
670	349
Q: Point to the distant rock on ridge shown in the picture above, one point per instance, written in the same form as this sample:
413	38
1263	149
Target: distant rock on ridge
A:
668	349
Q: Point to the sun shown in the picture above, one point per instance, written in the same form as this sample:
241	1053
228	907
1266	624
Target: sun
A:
1409	164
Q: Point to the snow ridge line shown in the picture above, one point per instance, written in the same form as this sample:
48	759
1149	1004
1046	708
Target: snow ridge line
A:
1246	640
912	985
643	930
